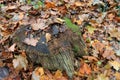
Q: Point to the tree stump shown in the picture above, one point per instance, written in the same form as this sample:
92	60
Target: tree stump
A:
58	52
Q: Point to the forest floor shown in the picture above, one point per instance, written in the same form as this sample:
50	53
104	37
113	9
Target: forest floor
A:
99	21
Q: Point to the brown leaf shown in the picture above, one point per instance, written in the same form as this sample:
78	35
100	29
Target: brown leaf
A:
20	62
38	74
44	77
39	71
40	24
90	58
25	8
78	3
31	41
111	16
48	36
84	69
108	53
115	33
50	5
58	74
12	48
117	75
98	45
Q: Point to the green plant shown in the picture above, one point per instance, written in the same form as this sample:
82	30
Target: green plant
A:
72	26
36	4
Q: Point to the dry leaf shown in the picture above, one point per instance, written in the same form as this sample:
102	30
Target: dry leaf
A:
108	53
12	48
117	75
44	77
98	45
58	74
40	24
91	29
50	5
25	8
84	69
115	33
48	36
102	77
115	65
20	62
111	16
78	3
90	58
37	73
31	41
11	7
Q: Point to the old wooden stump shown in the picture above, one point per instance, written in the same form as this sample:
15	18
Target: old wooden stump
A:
57	53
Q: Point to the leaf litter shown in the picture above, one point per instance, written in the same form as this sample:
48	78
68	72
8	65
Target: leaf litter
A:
98	20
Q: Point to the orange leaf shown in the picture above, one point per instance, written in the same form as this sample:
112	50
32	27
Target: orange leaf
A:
98	45
58	74
44	77
84	69
50	5
90	58
39	71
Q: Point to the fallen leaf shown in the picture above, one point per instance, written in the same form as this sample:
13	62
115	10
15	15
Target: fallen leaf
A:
108	53
58	74
98	45
84	69
38	73
78	3
12	48
25	8
97	2
40	24
115	33
102	77
115	65
90	29
20	62
11	7
48	36
44	77
60	20
117	75
31	41
90	58
111	16
50	5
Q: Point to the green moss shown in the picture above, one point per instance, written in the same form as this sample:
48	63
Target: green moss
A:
72	26
76	48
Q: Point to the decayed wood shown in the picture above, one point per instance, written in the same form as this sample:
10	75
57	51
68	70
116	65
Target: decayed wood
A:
62	59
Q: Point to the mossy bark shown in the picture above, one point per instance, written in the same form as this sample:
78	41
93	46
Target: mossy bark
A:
63	59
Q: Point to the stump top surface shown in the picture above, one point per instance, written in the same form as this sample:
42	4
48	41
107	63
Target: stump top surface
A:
50	41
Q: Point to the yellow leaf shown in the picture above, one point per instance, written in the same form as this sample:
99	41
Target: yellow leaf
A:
115	65
58	74
48	37
117	75
90	29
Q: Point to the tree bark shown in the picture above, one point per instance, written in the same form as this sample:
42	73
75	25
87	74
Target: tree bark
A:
70	45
